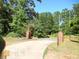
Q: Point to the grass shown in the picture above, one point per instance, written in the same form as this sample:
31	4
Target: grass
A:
67	50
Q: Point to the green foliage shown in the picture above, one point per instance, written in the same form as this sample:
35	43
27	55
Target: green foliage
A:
76	9
53	35
39	33
74	24
12	34
43	25
17	15
56	21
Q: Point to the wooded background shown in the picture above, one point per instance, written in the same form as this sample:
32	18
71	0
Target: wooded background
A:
17	15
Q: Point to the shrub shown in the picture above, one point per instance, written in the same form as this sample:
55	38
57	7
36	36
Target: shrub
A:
12	34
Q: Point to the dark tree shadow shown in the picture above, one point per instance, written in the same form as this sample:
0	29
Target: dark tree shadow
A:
74	41
2	46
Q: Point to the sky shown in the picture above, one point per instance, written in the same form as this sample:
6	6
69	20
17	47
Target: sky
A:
54	5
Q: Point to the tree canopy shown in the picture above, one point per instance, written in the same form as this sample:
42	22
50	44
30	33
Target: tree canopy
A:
17	15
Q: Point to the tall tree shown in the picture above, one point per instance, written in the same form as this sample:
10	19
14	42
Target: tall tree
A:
75	22
56	16
44	25
16	13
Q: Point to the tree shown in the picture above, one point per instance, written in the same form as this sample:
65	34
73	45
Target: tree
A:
76	9
0	4
65	16
16	14
74	24
56	16
44	25
5	18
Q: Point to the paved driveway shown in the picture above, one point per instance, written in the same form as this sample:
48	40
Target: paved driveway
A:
29	49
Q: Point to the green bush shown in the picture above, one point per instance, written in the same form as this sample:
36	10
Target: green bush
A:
40	33
53	35
12	34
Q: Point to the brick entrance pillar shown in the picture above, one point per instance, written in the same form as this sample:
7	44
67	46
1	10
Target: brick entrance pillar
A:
29	33
60	38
